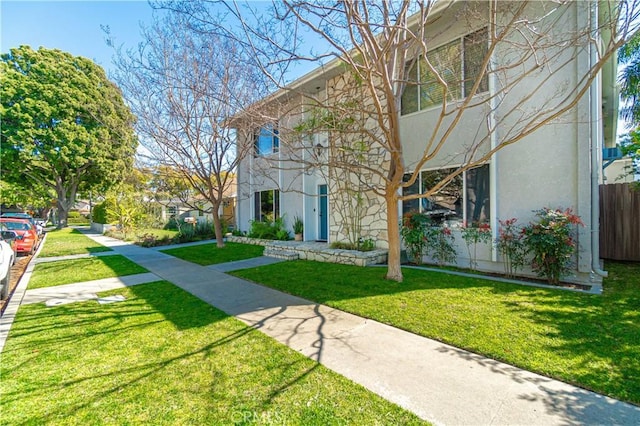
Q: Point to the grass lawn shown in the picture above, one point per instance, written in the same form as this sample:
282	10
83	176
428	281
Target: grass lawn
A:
66	241
84	269
210	254
589	340
164	357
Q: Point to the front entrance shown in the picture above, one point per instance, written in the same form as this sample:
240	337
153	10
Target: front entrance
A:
323	213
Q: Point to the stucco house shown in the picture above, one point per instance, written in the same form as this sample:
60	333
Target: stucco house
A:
557	164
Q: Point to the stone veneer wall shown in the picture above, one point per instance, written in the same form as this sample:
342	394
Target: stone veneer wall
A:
247	240
319	252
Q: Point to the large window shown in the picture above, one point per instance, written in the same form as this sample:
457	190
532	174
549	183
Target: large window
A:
458	63
266	140
267	205
465	198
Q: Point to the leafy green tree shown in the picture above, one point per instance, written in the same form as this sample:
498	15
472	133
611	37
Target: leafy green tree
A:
64	124
629	56
630	145
34	198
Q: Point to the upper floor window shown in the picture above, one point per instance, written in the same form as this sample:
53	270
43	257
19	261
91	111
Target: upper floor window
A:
266	140
458	63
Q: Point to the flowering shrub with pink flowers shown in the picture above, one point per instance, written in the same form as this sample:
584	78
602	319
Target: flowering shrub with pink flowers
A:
422	238
440	244
413	230
551	240
548	242
472	236
510	245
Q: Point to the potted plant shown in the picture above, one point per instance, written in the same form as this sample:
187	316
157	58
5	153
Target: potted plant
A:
298	228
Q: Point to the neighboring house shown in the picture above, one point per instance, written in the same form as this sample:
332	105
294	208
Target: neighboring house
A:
179	209
83	207
552	167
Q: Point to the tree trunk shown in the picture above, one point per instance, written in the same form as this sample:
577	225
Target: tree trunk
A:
394	272
217	225
65	201
63	215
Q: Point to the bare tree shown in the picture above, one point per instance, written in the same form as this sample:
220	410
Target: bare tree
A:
184	86
392	57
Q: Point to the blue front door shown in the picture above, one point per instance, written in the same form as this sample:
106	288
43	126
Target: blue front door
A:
323	213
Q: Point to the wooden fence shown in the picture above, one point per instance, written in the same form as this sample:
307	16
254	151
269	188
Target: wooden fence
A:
619	222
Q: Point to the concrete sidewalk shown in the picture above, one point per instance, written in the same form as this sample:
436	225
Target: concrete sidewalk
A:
440	383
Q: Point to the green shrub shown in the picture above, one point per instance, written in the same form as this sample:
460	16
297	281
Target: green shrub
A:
205	230
363	245
269	230
552	241
413	229
101	212
342	245
298	225
510	244
472	236
75	218
440	244
171	225
367	245
187	234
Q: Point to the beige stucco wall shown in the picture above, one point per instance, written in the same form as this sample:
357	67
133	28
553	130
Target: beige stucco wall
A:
548	168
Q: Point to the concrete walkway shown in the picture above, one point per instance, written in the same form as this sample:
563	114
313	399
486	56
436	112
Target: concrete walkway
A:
440	383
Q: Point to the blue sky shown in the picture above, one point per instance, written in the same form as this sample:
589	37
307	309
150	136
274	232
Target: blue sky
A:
72	26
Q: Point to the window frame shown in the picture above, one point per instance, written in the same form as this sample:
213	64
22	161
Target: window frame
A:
268	133
466	203
258	214
417	89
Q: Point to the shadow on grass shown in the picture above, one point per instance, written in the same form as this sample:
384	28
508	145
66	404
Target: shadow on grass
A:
67	241
61	272
601	333
85	333
587	340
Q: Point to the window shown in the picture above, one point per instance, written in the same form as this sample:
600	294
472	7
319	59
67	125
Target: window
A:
266	140
172	210
267	205
466	197
458	63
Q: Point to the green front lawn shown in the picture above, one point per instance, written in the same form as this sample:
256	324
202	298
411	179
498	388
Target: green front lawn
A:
137	234
84	269
164	357
66	241
589	340
210	254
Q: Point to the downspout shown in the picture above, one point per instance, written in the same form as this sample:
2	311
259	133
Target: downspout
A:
595	136
493	165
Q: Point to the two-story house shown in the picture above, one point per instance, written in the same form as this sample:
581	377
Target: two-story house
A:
516	99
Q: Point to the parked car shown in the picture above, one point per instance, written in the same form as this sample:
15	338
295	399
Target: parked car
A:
7	259
10	238
27	240
18	215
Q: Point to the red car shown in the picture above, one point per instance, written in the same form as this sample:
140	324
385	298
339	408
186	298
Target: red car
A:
27	240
